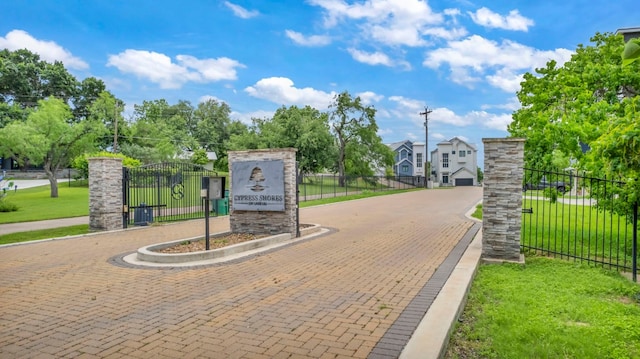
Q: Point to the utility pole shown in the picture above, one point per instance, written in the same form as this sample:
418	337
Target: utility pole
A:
427	172
115	132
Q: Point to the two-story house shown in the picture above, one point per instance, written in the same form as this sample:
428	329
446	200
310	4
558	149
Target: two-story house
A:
409	158
455	163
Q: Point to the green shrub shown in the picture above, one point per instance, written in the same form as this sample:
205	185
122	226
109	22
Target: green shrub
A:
551	193
81	163
6	206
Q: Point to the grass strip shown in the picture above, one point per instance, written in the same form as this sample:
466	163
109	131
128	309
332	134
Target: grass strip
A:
364	194
548	308
36	204
44	234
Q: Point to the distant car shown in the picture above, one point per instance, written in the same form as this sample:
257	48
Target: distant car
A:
558	185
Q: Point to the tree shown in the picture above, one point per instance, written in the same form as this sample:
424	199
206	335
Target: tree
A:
305	129
199	157
563	107
355	129
592	99
49	137
26	79
106	109
211	127
89	90
158	132
480	175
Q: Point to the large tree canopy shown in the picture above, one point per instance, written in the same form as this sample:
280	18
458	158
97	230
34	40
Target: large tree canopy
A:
591	100
306	129
360	149
49	137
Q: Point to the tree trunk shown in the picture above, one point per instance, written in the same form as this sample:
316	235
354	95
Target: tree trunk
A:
341	167
53	180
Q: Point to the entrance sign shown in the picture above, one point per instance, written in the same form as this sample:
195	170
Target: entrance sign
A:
258	185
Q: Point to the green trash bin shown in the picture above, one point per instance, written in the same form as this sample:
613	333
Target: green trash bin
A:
221	206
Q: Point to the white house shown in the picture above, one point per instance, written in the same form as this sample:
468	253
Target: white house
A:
455	163
409	159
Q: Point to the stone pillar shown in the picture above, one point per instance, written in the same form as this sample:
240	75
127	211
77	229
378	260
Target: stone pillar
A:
105	193
502	199
266	222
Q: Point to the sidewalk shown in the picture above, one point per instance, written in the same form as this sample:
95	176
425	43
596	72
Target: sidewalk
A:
355	293
8	228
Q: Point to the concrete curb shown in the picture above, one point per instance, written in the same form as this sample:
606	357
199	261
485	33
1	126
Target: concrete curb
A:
431	337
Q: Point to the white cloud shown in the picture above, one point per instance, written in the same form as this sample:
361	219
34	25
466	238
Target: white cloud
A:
241	12
247	116
513	21
408	105
369	97
437	136
445	33
313	40
281	90
501	64
390	22
48	50
206	98
482	118
498	122
512	104
222	68
377	58
446	116
374	58
159	68
506	80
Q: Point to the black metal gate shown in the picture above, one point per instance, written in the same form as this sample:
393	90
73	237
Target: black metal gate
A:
163	192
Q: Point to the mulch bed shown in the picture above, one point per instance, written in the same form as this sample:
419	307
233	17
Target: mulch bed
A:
214	243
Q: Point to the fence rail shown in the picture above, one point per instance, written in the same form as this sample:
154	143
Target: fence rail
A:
578	217
312	187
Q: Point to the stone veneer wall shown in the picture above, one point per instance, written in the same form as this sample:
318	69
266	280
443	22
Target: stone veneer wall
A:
105	193
502	198
267	222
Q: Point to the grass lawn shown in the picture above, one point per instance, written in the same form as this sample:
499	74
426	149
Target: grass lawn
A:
578	230
548	308
43	234
35	204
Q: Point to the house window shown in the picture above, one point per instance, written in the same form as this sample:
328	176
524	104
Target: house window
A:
468	152
445	178
453	152
419	159
405	168
445	160
462	154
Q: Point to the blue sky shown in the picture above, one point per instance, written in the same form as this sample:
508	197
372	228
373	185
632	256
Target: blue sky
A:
463	59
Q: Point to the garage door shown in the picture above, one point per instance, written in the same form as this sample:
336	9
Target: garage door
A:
464	181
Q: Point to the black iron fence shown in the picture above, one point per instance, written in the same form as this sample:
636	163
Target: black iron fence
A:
578	217
312	187
164	192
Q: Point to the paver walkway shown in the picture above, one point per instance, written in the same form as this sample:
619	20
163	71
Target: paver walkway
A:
330	297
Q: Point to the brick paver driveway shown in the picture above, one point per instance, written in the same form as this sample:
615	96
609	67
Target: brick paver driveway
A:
332	296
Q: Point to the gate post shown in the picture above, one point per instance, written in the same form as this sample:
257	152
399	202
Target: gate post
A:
502	199
105	193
